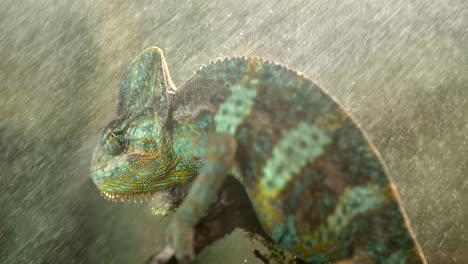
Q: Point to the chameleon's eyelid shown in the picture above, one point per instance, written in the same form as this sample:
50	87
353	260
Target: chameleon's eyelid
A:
113	134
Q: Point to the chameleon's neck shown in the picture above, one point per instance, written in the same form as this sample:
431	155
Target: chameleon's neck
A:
188	136
192	120
180	155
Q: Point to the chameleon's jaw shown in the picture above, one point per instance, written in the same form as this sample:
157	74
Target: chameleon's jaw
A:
118	180
120	177
136	177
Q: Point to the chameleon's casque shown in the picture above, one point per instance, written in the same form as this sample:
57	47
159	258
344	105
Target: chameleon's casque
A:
318	186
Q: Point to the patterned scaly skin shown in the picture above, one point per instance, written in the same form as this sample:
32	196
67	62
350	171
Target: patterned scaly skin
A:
318	186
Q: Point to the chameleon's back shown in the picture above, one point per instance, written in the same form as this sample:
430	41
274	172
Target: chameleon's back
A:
319	187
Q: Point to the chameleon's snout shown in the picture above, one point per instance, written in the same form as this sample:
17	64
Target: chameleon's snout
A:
115	179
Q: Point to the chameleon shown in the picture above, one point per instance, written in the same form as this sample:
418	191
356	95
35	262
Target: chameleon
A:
318	186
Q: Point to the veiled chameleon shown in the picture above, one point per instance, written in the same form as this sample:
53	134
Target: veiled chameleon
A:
318	186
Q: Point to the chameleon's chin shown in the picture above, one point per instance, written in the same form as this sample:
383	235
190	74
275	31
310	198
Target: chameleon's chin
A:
135	197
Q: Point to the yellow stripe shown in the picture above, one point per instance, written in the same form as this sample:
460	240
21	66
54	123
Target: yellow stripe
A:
354	201
296	148
236	107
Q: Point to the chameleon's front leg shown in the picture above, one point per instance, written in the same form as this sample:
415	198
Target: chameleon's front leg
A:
220	150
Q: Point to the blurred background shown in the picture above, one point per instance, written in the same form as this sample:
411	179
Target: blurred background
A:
400	67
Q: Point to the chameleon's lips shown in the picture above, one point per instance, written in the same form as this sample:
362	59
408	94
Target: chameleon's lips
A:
129	197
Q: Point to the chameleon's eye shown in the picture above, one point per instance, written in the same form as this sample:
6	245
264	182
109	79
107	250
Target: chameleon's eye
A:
114	143
111	135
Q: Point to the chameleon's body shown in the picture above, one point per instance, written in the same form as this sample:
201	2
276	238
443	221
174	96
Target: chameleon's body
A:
319	188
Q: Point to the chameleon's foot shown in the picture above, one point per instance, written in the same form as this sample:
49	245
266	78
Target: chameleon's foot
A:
179	249
180	237
165	256
168	256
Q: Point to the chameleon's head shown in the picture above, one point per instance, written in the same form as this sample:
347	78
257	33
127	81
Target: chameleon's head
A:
131	161
134	158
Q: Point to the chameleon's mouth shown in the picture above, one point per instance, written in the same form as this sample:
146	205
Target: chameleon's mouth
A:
135	197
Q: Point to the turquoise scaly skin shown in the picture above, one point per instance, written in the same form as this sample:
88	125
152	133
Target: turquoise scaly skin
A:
318	186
